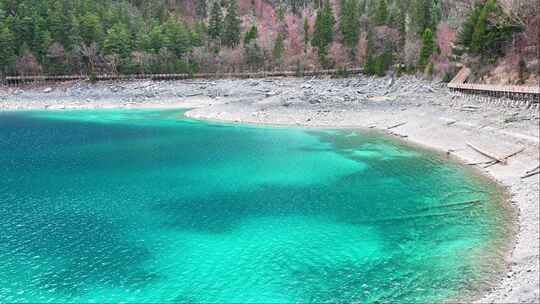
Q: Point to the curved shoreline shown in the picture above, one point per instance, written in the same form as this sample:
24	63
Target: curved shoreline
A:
504	193
434	119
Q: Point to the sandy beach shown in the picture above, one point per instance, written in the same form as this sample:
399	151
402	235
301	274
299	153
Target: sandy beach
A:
418	112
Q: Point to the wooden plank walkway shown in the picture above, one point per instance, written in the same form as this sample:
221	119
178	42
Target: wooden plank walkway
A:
28	79
458	83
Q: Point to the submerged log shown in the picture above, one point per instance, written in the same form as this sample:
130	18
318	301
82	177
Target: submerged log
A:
471	202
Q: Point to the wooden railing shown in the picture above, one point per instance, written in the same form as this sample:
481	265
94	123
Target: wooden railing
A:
15	80
511	91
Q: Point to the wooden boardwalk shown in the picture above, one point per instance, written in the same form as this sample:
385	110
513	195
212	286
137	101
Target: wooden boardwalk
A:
17	80
510	91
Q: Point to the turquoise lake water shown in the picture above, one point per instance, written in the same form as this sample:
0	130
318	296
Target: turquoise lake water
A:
148	206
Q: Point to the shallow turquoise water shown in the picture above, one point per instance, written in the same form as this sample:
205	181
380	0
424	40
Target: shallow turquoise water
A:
147	206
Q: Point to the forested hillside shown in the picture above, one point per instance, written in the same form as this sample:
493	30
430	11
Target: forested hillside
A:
185	36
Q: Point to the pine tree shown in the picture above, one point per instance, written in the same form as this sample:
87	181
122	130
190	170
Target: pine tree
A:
251	34
369	64
306	33
231	33
422	15
7	49
280	12
479	36
198	34
216	22
74	37
350	23
381	16
361	7
436	11
324	30
399	20
157	39
201	9
177	37
118	41
486	31
253	54
329	22
90	29
466	32
279	48
428	47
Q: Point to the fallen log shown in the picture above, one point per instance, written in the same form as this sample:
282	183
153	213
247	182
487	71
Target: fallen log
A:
398	135
530	174
533	170
396	125
471	202
506	157
487	154
481	163
514	153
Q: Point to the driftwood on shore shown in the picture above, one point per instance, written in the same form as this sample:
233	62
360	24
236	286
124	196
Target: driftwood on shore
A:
396	125
487	154
532	172
505	158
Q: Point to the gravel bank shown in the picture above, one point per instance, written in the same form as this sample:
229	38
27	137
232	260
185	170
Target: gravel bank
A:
415	111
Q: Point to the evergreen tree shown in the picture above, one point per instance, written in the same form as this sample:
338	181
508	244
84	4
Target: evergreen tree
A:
400	23
464	37
279	48
215	22
90	29
280	12
253	54
480	30
324	31
157	39
428	47
369	64
250	35
381	16
329	21
350	23
7	49
306	33
58	23
486	31
142	42
118	41
231	33
201	9
421	15
361	7
436	11
198	34
74	37
177	37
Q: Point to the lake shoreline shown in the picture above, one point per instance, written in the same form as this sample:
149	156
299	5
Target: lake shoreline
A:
413	111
